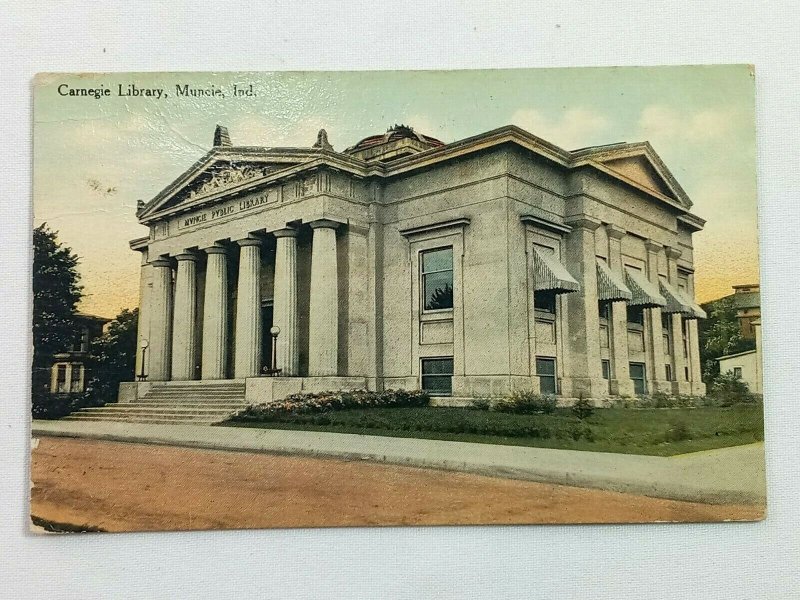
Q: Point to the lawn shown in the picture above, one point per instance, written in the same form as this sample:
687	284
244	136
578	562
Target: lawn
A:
659	432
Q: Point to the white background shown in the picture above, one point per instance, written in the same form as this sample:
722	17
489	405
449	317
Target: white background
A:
758	560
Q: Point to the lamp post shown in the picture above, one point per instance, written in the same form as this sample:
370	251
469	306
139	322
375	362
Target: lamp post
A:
142	376
274	332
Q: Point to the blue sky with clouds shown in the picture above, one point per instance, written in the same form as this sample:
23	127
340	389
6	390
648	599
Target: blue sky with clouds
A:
93	158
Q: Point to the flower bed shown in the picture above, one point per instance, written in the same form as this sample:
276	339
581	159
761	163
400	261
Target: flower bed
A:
305	404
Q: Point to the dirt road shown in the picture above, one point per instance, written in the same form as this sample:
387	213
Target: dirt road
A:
132	487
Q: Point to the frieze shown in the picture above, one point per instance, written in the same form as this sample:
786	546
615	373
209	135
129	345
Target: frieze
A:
227	209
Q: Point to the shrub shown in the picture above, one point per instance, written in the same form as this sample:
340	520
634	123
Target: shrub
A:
323	402
526	403
728	389
583	408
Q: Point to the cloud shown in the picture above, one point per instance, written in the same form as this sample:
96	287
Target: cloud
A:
575	128
659	123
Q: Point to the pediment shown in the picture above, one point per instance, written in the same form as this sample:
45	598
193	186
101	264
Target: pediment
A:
213	176
640	164
642	171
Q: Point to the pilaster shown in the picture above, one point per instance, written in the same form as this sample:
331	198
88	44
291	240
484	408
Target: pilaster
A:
680	385
583	343
657	368
621	383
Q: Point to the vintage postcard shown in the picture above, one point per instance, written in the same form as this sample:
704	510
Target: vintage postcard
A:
395	298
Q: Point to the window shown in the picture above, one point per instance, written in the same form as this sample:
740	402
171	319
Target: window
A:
61	378
546	372
437	376
638	374
437	279
75	384
686	373
544	304
635	317
666	333
737	372
668	372
606	364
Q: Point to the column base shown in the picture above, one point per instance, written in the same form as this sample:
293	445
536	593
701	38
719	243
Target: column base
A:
621	387
131	391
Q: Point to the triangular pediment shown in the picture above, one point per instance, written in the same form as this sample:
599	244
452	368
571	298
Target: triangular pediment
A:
218	173
642	171
639	164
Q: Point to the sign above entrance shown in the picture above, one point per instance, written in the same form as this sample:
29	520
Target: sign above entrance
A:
228	208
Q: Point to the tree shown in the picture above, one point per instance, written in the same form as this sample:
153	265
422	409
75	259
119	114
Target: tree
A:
113	357
56	292
720	334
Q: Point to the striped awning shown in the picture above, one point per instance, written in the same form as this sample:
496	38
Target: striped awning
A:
550	275
679	302
610	286
676	301
645	293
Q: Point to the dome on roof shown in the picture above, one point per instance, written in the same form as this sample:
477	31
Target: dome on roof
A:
395	133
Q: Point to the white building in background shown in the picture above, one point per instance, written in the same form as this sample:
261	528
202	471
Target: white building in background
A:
747	366
477	267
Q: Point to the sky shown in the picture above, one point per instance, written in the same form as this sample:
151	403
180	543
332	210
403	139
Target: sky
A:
95	157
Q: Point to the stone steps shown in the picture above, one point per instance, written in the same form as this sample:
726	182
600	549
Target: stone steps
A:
197	403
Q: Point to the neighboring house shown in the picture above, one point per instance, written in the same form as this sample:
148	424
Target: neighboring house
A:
747	366
68	373
747	300
478	267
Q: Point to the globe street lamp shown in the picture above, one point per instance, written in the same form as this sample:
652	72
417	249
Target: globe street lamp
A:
274	332
144	344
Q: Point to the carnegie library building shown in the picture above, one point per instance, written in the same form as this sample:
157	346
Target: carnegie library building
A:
495	263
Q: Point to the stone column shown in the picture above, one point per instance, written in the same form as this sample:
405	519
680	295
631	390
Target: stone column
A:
657	376
247	360
681	384
695	369
160	321
621	383
215	314
285	301
184	323
323	342
583	343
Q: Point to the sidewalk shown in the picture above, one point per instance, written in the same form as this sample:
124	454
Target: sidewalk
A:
724	476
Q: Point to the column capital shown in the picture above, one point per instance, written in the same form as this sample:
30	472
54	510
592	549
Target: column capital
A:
216	249
186	256
653	246
583	222
672	253
249	241
285	232
615	232
324	223
161	261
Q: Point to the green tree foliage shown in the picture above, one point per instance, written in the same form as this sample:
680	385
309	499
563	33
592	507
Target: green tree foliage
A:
56	292
720	334
113	358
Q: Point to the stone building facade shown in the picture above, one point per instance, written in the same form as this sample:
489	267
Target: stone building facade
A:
490	264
